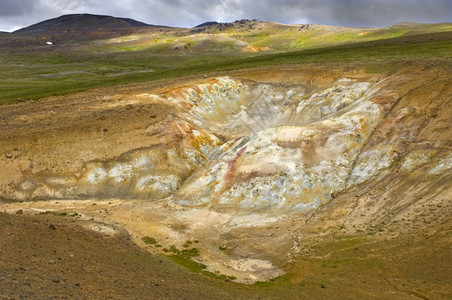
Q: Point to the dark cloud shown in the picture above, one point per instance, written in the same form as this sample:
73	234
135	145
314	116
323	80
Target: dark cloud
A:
380	13
10	8
188	13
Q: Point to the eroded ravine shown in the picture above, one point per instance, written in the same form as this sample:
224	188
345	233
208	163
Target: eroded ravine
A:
249	167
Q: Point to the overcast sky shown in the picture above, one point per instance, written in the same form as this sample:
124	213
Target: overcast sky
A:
15	14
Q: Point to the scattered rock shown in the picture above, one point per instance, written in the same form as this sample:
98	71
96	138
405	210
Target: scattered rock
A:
19	212
55	280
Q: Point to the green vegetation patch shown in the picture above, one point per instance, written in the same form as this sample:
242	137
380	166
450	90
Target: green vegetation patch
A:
59	214
185	257
149	240
61	71
280	280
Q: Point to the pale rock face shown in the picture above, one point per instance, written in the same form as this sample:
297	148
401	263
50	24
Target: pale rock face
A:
284	148
120	172
153	173
162	184
234	108
332	100
285	167
416	159
251	165
444	164
371	163
142	162
96	175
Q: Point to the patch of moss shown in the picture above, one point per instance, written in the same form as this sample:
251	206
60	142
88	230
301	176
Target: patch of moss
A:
189	253
196	267
149	240
277	280
191	265
62	214
185	257
44	74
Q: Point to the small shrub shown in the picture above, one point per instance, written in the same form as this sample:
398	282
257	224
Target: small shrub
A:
174	249
189	253
149	240
63	214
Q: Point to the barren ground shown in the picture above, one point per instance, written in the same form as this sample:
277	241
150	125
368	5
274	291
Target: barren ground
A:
385	237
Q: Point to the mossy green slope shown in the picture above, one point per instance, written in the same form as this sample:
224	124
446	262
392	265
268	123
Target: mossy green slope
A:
33	72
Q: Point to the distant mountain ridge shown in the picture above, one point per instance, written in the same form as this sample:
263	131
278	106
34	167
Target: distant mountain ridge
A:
82	22
239	25
210	23
76	28
73	23
102	31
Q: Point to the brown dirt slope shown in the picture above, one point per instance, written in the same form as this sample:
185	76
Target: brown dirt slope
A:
45	257
68	262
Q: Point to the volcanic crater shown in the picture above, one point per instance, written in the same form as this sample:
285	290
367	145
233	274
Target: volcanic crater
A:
253	165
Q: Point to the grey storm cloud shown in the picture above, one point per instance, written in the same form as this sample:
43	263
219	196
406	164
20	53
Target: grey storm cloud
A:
188	13
15	7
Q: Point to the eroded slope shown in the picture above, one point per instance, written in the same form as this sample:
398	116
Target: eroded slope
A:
255	166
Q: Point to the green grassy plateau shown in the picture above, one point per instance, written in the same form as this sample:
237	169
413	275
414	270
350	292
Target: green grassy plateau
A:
32	70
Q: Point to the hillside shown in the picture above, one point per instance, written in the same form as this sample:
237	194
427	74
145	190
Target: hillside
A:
105	57
242	160
81	22
301	160
81	27
112	34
